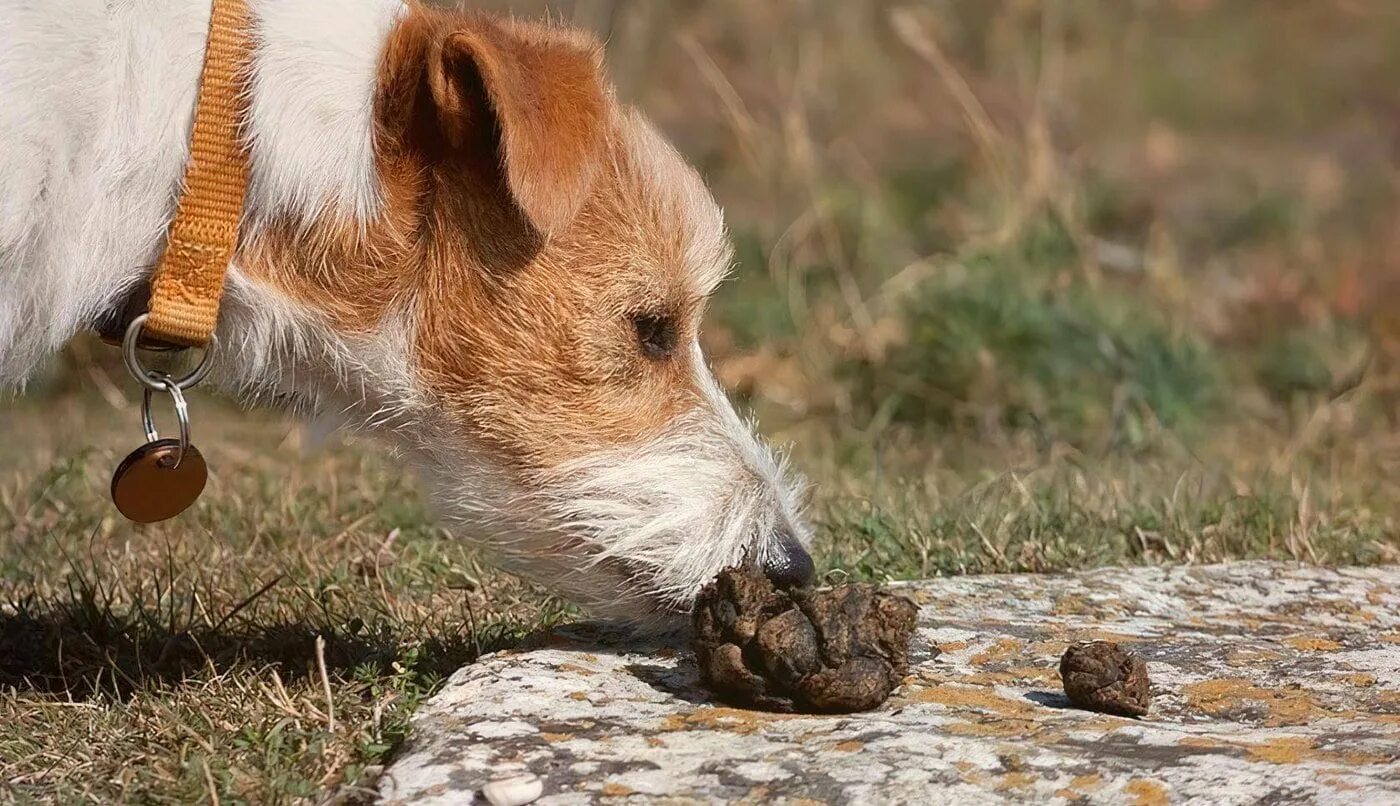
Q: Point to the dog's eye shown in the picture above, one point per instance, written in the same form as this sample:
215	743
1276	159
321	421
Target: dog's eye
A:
656	335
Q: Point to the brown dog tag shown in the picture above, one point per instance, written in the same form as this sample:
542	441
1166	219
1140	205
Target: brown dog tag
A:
148	487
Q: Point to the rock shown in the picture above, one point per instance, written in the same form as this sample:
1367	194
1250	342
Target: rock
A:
517	790
1102	676
1270	683
819	651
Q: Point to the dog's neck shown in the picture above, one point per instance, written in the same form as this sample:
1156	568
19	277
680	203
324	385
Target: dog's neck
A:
96	130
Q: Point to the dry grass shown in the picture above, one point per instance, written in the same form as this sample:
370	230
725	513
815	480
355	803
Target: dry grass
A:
1027	286
269	645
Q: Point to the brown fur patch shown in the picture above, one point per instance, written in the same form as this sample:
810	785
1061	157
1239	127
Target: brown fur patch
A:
524	228
541	92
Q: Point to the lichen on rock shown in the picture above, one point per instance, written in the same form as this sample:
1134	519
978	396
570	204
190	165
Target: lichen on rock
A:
1270	683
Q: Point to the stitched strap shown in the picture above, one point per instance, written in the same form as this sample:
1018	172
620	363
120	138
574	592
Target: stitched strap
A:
189	282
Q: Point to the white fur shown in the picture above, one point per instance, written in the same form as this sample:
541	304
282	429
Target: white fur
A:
96	104
678	187
703	496
96	101
636	531
313	87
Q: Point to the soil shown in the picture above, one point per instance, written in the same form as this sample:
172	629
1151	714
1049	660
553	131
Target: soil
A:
836	650
1102	676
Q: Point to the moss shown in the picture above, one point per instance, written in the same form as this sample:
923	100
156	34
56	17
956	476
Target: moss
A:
1041	352
1308	360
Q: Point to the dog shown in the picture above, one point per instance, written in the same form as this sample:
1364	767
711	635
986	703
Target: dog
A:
455	235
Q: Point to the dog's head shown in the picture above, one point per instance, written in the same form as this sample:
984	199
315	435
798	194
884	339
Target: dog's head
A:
522	309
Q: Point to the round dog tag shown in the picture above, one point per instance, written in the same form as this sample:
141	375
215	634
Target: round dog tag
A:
150	487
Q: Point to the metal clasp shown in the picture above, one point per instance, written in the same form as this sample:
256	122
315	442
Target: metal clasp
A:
155	381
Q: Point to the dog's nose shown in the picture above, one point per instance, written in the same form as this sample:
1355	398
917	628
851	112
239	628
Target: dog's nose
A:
788	565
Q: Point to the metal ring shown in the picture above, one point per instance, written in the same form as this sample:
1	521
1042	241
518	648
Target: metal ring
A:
156	381
182	414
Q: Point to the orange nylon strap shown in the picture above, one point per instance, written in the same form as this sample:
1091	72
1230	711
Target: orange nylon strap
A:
189	282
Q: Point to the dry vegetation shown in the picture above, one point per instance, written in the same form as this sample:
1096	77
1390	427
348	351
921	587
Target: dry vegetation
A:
1026	285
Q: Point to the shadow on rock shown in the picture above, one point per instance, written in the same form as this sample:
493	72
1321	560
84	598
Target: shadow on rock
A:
681	681
1049	699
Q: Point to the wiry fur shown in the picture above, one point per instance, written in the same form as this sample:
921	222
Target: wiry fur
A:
637	506
450	230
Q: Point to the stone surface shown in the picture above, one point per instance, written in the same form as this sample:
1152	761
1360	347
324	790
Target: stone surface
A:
1270	683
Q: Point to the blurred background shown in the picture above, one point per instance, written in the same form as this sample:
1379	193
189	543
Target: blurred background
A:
1027	284
1023	285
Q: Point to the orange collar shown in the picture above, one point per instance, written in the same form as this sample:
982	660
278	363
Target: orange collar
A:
188	283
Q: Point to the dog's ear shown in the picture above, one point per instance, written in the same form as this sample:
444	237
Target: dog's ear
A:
536	97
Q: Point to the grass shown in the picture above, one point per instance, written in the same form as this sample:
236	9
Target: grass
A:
1026	287
161	663
1000	336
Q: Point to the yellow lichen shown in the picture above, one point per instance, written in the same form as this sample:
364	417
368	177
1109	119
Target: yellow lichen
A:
1015	780
1080	787
733	720
1281	751
996	729
1294	750
1014	674
1312	643
1143	792
1001	650
1288	750
1086	783
1072	605
1050	649
977	698
1222	697
577	669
